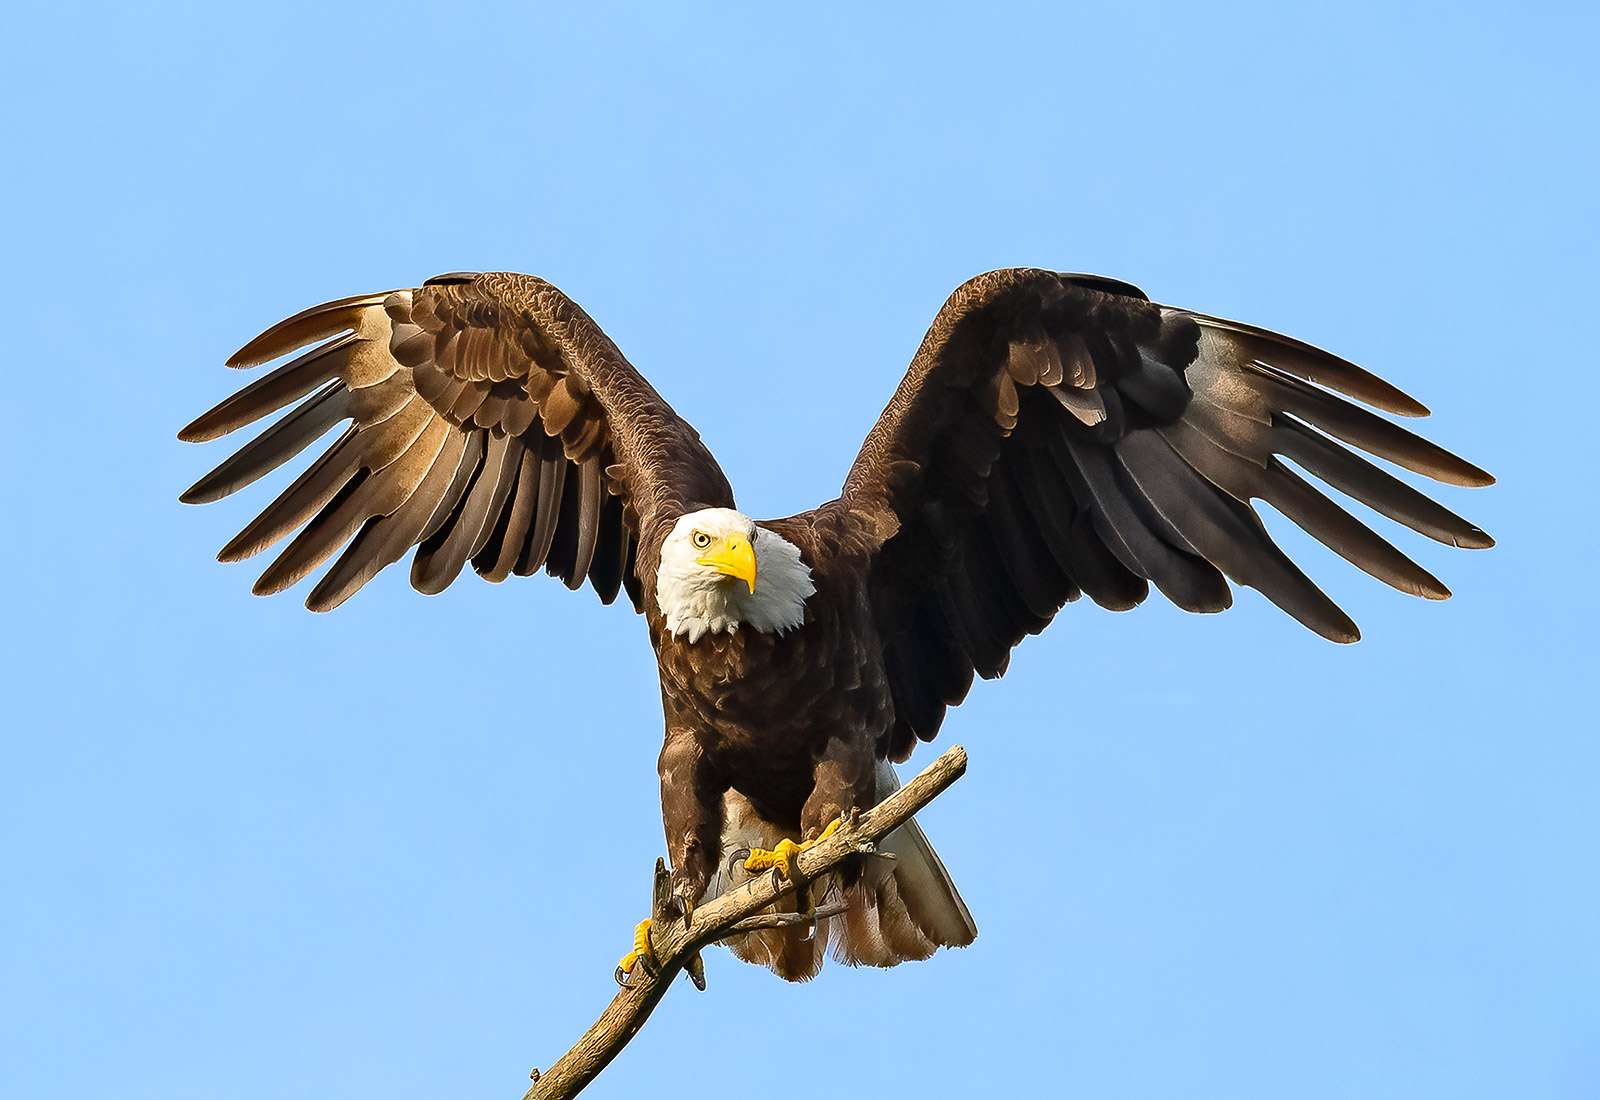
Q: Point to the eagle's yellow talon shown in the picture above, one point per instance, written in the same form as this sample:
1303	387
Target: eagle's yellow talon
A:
782	857
641	952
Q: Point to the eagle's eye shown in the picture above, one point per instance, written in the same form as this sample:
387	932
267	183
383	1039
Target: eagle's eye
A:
700	539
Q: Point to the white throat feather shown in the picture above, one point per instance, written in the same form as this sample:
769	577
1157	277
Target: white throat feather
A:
698	600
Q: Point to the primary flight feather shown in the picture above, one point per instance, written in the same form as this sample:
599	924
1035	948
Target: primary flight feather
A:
1056	435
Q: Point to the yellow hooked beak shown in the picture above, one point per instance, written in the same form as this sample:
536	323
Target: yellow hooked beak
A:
735	558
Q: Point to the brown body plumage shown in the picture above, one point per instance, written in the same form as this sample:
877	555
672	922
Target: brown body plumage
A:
1055	436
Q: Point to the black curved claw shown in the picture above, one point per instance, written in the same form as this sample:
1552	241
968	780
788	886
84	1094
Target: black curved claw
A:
645	961
737	858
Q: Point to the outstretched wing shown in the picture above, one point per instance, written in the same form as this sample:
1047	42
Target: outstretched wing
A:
1060	434
491	421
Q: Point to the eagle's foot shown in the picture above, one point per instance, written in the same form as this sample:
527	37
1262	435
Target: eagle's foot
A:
679	905
781	859
641	955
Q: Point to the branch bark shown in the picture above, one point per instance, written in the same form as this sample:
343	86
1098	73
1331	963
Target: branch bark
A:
676	947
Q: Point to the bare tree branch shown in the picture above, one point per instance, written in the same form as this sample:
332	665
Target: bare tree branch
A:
735	911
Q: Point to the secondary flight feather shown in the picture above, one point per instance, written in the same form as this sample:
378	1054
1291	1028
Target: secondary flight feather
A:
1056	436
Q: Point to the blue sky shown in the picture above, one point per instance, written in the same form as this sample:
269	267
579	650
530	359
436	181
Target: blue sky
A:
395	851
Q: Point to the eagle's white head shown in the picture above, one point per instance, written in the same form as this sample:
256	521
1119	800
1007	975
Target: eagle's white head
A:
719	570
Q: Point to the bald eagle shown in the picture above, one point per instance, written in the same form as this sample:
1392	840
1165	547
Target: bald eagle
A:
1057	435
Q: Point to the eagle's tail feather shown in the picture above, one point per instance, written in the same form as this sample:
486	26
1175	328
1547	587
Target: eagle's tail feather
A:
931	898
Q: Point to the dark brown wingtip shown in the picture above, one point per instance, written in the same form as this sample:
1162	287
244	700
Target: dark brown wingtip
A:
1400	403
208	490
195	430
245	544
1329	621
1365	386
1377	392
1455	470
271	582
209	425
306	327
1313	364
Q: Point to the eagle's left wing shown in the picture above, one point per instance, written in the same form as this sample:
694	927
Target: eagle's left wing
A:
1061	434
490	420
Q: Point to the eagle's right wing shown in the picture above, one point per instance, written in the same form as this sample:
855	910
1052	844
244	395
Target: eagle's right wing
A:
490	420
1059	435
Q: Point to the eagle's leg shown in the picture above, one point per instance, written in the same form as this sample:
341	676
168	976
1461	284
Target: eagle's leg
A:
781	859
843	782
691	809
